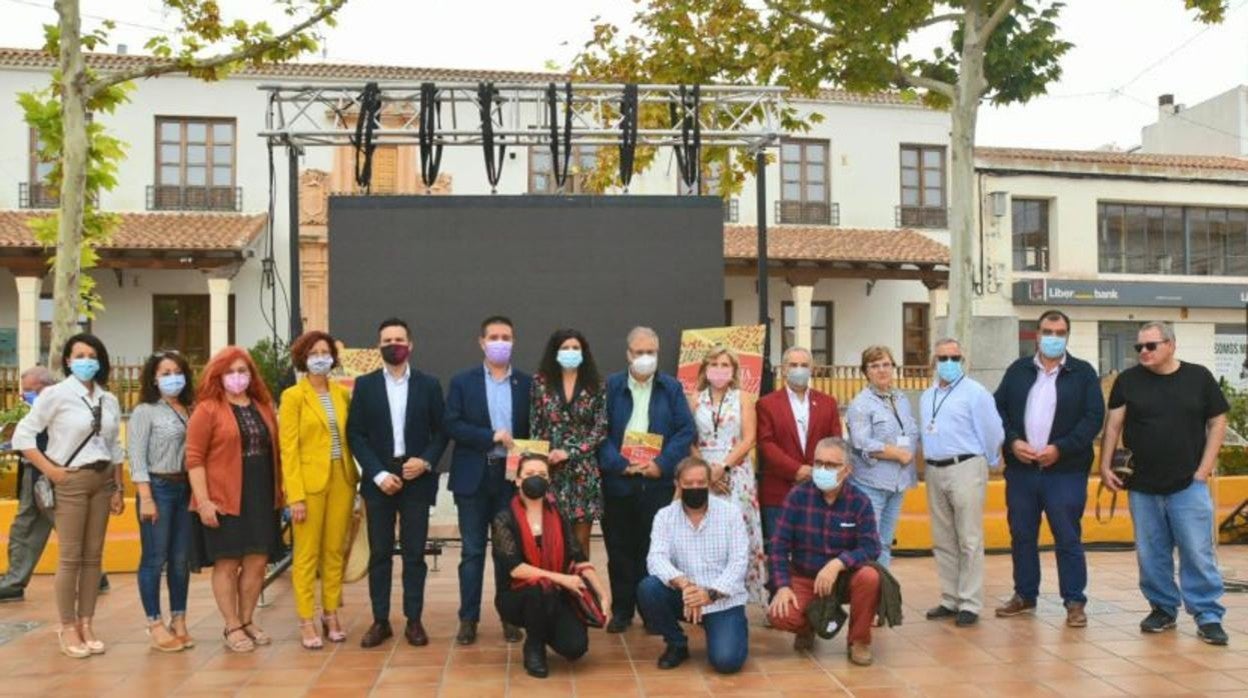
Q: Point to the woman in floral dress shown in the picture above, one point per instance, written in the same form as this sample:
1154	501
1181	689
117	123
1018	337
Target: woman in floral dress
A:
569	409
726	427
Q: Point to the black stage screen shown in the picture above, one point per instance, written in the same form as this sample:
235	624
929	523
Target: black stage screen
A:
600	264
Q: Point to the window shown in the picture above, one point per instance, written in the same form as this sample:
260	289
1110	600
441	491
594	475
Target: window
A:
712	185
923	203
1116	341
194	164
804	191
542	175
1156	239
1027	342
1031	234
820	330
182	322
915	328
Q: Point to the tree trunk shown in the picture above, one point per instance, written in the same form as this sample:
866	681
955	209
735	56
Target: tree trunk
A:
66	294
963	200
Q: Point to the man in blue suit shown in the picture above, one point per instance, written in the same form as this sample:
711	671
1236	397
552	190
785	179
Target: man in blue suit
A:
395	431
642	400
486	408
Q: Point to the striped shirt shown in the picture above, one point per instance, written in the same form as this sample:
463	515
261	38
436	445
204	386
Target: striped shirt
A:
714	555
811	532
335	439
157	436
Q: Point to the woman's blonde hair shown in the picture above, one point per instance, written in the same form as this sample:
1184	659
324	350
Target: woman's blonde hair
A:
874	353
714	353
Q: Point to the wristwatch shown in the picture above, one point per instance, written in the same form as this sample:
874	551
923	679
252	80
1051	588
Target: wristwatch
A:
714	595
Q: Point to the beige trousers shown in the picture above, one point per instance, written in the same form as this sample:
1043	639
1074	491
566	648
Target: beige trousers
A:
955	500
82	510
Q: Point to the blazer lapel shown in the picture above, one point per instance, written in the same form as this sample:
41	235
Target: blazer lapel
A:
810	423
519	403
310	396
479	395
791	424
412	399
383	398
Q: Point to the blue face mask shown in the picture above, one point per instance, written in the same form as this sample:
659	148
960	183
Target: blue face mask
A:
29	396
1052	347
171	384
569	358
825	479
949	371
84	369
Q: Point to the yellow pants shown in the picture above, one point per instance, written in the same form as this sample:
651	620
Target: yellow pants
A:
320	542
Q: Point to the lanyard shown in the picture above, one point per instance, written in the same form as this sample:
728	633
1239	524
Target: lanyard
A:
937	405
892	404
715	416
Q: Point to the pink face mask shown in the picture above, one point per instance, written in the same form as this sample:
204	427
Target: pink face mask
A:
236	383
718	376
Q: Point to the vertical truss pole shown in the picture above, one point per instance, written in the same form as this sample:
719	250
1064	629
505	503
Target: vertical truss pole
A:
760	179
296	311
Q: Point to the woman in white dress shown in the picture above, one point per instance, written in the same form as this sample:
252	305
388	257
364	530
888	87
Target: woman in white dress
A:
726	431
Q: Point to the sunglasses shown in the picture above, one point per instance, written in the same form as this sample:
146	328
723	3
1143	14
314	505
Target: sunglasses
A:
1149	346
956	358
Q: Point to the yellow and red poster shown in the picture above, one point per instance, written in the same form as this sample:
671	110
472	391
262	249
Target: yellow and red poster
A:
746	341
355	363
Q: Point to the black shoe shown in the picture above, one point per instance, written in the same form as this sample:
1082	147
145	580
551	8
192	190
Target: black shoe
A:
673	656
1157	621
1213	634
619	624
467	632
966	619
12	594
104	585
941	613
535	661
512	633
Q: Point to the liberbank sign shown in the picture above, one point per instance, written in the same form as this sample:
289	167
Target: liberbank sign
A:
1147	294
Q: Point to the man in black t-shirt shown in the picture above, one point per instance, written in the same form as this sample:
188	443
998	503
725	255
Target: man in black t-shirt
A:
1174	416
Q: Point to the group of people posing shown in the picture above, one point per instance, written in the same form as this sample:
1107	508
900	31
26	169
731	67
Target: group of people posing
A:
692	532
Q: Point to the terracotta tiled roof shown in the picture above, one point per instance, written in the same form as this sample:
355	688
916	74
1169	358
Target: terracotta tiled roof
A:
1106	160
154	231
828	244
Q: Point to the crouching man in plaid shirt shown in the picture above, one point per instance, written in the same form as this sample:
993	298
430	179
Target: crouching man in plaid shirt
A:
826	526
699	549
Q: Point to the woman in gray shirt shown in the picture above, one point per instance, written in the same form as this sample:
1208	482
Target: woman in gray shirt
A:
158	469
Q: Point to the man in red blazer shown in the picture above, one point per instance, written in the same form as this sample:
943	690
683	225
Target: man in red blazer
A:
790	423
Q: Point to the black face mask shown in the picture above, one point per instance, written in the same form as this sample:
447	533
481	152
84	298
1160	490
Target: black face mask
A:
534	486
694	498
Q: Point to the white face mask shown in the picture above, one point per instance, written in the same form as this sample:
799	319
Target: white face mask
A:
645	365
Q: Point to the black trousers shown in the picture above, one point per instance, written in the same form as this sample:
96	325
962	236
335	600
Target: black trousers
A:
626	531
548	619
412	513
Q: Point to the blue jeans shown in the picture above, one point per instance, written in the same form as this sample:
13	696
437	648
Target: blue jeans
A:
1062	497
476	512
1184	520
166	544
727	632
887	507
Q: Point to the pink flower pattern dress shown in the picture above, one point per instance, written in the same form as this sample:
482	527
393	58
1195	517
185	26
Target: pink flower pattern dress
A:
578	427
719	431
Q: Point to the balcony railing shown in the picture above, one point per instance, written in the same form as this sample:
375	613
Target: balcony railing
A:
922	217
808	213
168	198
37	195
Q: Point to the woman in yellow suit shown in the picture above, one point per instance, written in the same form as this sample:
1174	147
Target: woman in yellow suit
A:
320	480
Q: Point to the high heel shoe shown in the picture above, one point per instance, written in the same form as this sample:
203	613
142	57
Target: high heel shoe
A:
93	646
333	635
171	644
70	650
310	643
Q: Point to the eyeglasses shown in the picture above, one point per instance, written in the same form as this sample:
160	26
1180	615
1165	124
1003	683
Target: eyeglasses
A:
956	358
1149	346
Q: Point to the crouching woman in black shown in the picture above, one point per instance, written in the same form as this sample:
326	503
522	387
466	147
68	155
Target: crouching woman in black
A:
540	570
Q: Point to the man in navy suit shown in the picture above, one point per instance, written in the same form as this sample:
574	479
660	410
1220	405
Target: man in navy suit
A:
395	432
486	408
643	400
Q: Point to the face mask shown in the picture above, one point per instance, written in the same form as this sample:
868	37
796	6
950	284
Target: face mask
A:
84	369
534	486
949	371
694	498
718	376
798	377
395	354
1052	347
569	358
645	364
825	479
498	352
29	396
171	384
320	365
236	383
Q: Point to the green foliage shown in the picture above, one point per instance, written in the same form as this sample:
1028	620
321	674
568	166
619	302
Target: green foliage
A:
1237	418
273	361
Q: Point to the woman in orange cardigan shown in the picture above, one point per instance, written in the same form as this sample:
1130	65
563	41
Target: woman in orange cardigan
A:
234	463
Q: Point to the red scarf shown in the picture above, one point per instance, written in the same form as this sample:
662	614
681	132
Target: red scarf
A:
550	555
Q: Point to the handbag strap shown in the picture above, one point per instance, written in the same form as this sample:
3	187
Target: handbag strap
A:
95	431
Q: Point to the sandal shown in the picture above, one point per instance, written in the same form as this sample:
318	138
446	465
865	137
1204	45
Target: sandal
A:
333	635
242	645
70	650
93	646
310	643
169	644
257	634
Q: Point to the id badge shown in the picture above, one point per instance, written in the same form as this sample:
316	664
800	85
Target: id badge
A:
903	441
931	427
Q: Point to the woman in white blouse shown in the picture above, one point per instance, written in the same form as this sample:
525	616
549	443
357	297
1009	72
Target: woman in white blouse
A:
81	462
